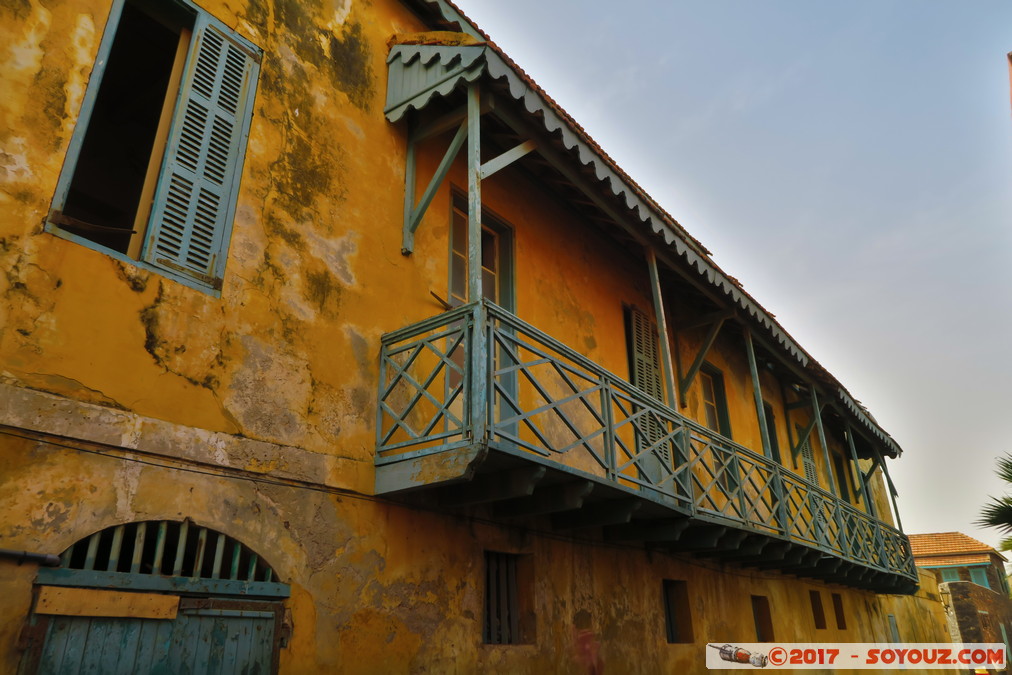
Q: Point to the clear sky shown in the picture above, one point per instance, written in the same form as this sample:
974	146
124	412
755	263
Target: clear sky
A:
851	164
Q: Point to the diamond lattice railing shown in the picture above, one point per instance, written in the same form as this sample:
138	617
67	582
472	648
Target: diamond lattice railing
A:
543	398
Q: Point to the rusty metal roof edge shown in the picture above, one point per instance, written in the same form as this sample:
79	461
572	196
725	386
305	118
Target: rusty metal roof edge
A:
574	137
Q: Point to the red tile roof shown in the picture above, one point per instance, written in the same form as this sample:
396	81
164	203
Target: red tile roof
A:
950	548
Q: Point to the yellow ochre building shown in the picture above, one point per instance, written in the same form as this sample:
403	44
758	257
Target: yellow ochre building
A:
330	343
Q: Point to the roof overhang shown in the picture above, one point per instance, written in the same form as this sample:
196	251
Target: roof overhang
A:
422	71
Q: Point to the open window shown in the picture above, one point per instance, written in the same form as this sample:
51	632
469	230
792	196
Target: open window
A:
153	167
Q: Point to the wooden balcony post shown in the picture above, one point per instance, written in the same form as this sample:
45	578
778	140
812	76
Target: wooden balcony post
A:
764	432
817	411
662	328
862	483
479	344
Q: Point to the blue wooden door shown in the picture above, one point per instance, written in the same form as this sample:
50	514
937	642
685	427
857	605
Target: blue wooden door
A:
207	637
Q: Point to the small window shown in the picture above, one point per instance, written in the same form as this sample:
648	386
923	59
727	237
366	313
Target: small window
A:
677	617
154	164
818	613
985	620
950	574
978	575
894	630
715	415
508	606
763	620
841	619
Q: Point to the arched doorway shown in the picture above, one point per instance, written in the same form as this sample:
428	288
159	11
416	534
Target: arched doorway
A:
156	597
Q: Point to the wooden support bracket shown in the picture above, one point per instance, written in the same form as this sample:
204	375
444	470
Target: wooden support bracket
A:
494	487
656	530
613	512
545	500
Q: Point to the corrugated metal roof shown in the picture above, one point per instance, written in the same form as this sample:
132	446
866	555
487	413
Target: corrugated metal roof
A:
419	72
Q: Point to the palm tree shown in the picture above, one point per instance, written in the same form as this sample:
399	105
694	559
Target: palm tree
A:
998	511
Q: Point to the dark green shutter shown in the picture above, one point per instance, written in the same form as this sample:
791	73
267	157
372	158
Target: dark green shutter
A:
195	199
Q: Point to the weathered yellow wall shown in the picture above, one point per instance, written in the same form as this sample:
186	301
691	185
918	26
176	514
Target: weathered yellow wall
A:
384	588
278	375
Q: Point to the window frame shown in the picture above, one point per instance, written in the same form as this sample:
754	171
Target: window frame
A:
677	611
721	413
515	571
202	20
980	571
503	234
948	571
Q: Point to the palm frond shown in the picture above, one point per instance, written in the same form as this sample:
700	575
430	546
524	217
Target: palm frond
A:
997	513
1005	468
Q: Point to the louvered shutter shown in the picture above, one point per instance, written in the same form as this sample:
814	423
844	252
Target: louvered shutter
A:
644	359
645	354
808	461
195	200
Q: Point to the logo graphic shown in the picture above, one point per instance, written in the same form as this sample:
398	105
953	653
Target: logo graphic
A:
738	655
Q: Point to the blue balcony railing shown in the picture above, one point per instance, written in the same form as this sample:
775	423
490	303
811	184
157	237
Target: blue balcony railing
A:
529	395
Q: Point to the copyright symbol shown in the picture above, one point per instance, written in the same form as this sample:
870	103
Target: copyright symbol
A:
777	656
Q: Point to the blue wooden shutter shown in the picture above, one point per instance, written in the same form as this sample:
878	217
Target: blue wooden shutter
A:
979	576
195	200
949	574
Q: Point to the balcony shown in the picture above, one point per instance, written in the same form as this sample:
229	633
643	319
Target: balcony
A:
476	407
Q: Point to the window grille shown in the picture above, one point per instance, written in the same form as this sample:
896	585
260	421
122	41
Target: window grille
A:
167	548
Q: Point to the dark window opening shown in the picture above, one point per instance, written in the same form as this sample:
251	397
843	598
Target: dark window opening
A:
818	613
841	619
509	617
677	617
104	196
762	618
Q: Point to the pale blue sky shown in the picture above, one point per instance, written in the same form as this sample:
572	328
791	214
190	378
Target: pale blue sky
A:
851	164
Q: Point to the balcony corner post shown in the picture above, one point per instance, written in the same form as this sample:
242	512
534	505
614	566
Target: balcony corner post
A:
778	492
479	343
408	234
609	430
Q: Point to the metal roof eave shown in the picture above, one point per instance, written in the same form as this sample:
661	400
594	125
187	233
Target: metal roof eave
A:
419	72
